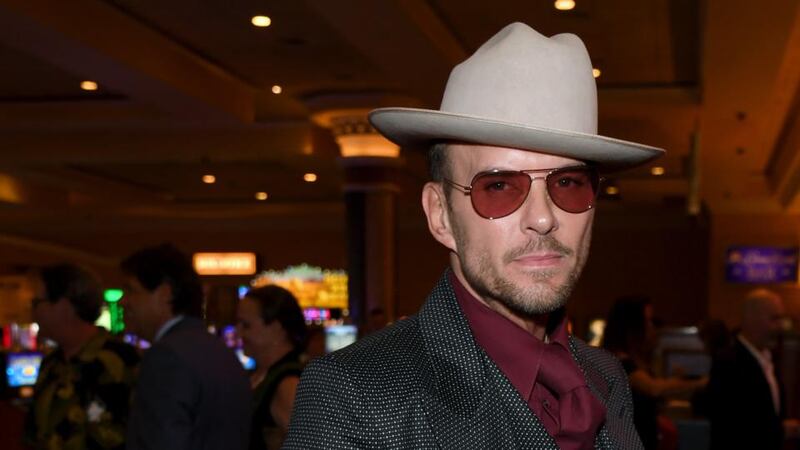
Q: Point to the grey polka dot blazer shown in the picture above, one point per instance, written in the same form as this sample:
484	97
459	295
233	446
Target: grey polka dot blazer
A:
424	383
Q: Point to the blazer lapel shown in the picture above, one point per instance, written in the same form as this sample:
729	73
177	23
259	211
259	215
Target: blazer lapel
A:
466	398
599	386
453	392
525	429
469	402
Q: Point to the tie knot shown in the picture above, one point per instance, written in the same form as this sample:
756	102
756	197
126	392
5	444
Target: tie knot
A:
580	414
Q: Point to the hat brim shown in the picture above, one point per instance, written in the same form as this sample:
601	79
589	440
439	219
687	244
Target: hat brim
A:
414	128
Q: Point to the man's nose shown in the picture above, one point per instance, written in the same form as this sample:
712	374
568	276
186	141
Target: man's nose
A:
537	211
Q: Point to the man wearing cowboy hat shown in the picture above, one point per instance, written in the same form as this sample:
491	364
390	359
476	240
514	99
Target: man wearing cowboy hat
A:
488	362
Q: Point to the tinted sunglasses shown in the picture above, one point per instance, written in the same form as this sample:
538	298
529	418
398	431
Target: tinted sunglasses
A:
498	193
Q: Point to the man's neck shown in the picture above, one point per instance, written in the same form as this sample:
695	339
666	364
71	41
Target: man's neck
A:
72	343
535	324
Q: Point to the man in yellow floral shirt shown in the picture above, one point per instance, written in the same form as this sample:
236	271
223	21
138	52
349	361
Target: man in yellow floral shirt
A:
82	395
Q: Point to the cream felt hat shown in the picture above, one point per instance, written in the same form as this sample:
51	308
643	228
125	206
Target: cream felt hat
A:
521	90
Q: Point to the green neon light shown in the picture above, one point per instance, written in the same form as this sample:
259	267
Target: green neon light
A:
112	295
117	322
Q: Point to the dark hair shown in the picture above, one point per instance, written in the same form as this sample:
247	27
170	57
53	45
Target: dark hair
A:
164	263
440	168
276	303
438	162
77	285
626	326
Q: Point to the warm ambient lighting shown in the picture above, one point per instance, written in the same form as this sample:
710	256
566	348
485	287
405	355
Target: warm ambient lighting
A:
612	190
209	179
310	177
261	21
12	190
657	170
353	133
596	72
261	196
243	263
88	85
564	5
373	144
277	89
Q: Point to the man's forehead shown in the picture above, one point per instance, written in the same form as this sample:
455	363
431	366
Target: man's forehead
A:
484	157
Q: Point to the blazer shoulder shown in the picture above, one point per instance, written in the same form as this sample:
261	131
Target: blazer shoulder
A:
602	369
346	399
202	352
190	338
599	358
388	364
393	348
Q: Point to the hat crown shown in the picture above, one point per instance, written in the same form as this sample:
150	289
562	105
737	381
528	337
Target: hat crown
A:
520	76
519	90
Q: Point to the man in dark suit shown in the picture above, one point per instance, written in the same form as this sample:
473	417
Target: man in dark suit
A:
744	392
192	392
488	361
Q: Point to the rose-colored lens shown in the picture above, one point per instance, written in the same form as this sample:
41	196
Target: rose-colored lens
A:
499	194
573	189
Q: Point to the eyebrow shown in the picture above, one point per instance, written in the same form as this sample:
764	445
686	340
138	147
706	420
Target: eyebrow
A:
516	169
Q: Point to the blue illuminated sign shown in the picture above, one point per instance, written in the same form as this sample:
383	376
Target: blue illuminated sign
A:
761	265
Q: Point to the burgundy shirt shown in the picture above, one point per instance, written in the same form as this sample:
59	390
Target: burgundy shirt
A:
521	356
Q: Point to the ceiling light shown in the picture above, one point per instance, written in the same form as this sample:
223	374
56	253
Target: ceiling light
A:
310	177
277	89
261	196
564	5
88	85
596	72
612	190
657	170
261	21
209	179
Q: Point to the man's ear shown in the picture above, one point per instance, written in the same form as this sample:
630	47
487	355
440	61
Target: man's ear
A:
434	203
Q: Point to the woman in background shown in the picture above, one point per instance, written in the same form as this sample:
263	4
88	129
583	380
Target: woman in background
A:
273	332
630	335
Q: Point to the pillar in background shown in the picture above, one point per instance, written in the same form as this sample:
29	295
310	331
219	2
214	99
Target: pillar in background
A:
370	164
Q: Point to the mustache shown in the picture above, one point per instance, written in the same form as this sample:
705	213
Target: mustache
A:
543	243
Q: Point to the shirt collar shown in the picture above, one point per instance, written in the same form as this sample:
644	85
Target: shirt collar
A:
761	356
167	326
516	352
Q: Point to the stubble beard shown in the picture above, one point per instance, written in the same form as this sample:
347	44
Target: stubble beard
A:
536	298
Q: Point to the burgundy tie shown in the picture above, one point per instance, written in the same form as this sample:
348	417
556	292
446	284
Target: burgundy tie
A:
580	413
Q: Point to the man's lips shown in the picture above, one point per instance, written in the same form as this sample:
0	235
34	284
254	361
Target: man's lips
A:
536	260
